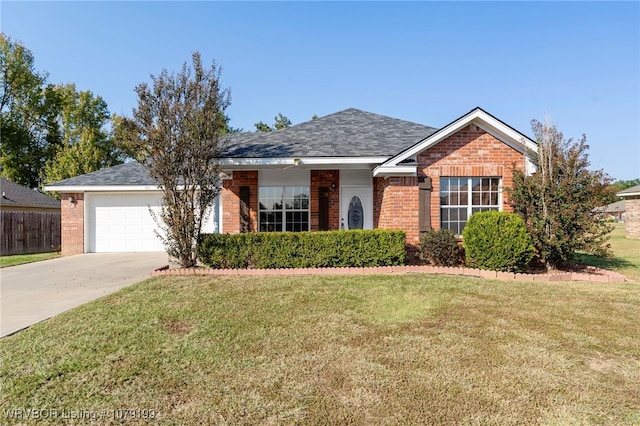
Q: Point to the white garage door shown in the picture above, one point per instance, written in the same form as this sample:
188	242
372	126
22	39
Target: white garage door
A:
122	222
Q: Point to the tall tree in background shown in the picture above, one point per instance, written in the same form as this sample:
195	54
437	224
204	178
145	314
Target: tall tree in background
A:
83	143
280	122
22	132
621	185
49	132
558	201
177	132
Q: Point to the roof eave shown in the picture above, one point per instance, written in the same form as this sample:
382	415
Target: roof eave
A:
389	171
100	188
482	119
300	161
628	194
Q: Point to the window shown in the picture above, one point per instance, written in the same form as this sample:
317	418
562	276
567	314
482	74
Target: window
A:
283	208
460	197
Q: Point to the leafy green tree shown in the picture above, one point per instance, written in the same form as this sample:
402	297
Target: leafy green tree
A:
84	145
41	124
621	185
228	128
177	133
280	122
557	202
263	127
22	133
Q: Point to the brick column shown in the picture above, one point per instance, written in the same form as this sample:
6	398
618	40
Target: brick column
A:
396	205
632	216
231	201
325	178
72	219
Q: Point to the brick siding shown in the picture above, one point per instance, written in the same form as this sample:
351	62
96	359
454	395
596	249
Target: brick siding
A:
632	216
231	201
471	152
326	178
395	205
72	217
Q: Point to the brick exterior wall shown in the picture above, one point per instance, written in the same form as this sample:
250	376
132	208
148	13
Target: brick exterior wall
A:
395	205
471	152
231	201
632	216
326	178
72	217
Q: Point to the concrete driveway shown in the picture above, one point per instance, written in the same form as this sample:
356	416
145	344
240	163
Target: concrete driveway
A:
36	291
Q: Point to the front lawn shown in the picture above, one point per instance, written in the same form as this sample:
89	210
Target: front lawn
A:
396	349
19	259
626	252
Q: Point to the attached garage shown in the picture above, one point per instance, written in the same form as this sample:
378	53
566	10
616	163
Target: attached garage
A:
122	222
108	211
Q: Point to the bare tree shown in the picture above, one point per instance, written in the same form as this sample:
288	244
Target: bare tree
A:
177	133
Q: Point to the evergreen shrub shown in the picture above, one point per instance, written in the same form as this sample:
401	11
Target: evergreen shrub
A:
263	250
497	241
440	248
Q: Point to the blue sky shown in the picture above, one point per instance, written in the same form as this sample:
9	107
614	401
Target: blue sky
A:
428	62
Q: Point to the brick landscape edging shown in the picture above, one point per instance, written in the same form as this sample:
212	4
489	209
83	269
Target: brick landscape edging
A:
592	274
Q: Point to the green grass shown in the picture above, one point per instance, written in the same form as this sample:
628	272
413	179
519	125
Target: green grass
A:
395	349
626	252
19	259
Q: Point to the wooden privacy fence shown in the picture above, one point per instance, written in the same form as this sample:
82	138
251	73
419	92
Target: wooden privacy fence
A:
29	232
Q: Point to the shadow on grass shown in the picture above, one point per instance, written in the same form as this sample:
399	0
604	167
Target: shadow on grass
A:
613	264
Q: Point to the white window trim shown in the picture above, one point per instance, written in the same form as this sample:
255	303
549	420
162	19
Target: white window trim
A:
284	210
470	206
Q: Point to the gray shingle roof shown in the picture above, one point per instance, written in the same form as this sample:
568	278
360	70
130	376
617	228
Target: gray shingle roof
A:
348	133
628	191
132	173
616	207
14	195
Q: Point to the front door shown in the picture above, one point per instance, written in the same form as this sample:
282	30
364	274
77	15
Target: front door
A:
356	207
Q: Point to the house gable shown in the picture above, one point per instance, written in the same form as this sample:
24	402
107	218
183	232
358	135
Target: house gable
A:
405	162
471	152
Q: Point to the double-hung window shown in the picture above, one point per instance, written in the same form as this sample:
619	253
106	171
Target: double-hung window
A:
283	208
460	197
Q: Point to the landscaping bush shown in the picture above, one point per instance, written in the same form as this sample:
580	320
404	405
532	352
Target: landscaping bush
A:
497	241
440	248
262	250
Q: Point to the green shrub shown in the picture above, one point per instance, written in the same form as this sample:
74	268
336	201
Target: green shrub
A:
440	248
264	250
497	241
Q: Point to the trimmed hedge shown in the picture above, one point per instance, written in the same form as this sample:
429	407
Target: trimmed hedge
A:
497	241
440	248
263	250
